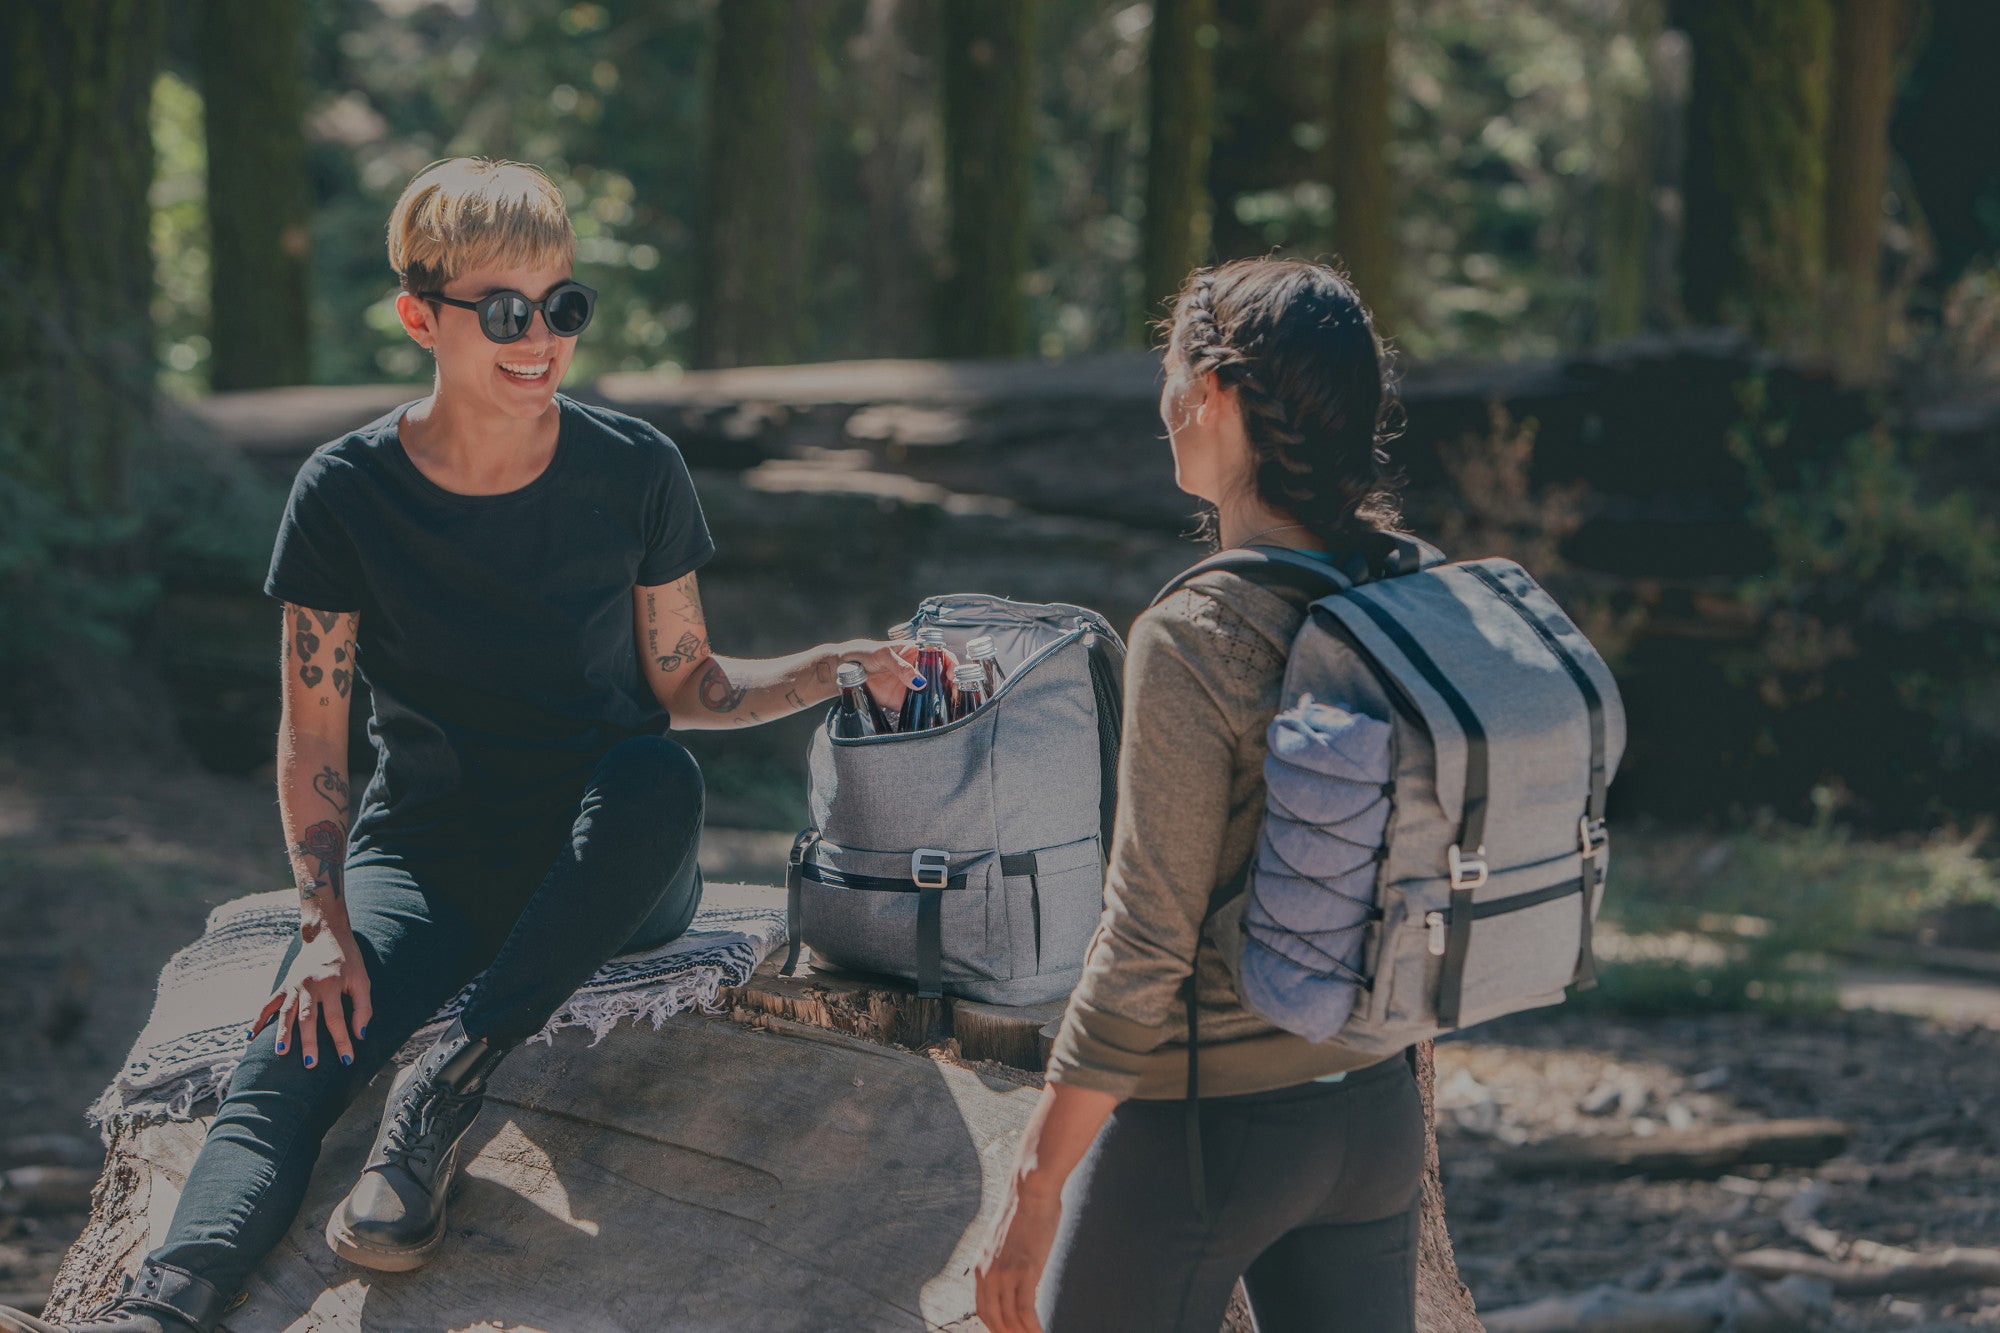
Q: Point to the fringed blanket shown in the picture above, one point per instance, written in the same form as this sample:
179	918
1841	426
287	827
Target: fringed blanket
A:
212	989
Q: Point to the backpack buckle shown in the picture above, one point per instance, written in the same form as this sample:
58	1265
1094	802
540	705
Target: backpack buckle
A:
1592	837
930	868
1467	872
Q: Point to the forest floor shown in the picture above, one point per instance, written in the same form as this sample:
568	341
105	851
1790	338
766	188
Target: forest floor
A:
107	867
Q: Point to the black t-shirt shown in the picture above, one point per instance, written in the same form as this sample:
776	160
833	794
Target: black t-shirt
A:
495	630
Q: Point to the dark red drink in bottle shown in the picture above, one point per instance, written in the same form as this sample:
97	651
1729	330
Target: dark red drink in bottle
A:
855	713
929	703
970	681
980	650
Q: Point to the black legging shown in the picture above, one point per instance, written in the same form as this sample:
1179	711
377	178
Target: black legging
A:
532	909
1313	1196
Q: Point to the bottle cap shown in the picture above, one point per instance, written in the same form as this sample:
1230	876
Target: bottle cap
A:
931	637
851	675
969	673
981	647
899	631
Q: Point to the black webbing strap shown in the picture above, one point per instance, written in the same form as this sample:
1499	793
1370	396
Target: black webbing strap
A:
1472	812
1027	864
930	943
1590	832
1191	1115
794	874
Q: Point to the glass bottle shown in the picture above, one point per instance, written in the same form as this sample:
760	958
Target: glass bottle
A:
970	692
929	702
855	713
981	650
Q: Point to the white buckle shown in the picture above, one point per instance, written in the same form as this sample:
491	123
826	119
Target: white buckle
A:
1592	837
1467	872
930	868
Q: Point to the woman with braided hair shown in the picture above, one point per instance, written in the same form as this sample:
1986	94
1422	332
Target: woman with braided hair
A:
1310	1156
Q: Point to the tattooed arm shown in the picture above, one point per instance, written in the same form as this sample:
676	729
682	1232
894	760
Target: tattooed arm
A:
318	666
702	690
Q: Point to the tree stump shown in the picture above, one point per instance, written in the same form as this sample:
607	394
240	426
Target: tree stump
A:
708	1176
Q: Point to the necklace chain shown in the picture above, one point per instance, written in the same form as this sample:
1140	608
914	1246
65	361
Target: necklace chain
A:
1267	532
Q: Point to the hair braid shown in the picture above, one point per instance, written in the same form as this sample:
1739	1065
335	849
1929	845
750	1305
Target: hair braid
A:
1298	348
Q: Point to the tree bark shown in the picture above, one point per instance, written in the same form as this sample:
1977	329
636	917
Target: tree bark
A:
1364	207
755	212
76	265
1444	1303
1754	251
1622	86
1868	37
989	51
1273	97
893	78
253	87
1180	102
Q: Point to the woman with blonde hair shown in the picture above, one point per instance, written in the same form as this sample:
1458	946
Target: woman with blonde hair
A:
1311	1155
512	573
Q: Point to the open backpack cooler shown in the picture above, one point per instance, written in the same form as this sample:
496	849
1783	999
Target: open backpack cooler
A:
969	858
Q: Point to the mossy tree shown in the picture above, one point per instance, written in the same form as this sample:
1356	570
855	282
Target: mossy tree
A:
1753	251
756	202
76	270
1870	40
1364	205
251	57
988	60
1180	101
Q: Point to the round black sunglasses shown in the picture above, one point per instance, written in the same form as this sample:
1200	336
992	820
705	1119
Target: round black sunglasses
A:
504	315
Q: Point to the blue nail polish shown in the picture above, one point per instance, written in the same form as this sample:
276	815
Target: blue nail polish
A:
249	1034
281	1048
347	1059
309	1062
364	1032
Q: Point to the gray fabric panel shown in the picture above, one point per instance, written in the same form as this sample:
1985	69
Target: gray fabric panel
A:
1021	776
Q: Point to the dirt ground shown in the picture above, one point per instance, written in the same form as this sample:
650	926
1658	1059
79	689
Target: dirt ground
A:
106	869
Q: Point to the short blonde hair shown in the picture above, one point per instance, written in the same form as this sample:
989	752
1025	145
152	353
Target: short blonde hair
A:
465	213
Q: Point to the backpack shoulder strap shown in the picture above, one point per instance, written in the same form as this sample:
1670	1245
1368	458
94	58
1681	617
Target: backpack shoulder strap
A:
1265	564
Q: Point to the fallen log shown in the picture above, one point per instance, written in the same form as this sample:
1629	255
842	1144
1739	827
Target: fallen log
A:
703	1177
1694	1154
1735	1303
1879	1270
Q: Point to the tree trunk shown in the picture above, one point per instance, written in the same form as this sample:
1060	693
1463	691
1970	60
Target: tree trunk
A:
1364	207
1754	251
1180	100
989	52
755	208
253	88
1444	1305
76	266
1273	94
1622	88
1868	36
892	81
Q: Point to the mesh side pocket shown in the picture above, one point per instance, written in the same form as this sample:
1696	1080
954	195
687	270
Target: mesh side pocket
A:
1312	885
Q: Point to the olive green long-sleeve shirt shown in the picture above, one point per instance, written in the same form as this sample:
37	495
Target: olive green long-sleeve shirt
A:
1202	679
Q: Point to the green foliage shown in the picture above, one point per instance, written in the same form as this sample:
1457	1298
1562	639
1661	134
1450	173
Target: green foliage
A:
1880	619
56	596
1749	920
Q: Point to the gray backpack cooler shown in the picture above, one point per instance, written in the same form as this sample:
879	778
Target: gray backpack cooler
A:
1443	864
969	858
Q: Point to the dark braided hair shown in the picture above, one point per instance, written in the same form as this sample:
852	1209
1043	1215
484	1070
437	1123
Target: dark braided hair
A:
1294	341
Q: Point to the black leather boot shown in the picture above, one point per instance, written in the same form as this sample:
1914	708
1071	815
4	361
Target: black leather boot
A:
393	1219
159	1298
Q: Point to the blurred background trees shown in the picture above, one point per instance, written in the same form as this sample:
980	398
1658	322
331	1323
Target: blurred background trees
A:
1531	193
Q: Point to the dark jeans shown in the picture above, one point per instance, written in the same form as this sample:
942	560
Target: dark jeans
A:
556	898
1313	1195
